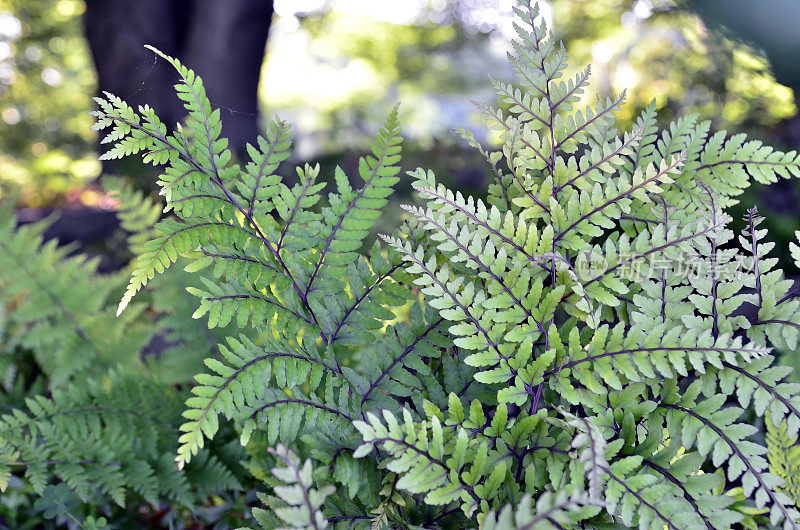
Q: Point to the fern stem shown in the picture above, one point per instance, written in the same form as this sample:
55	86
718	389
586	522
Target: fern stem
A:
469	489
536	397
519	181
754	250
765	386
628	351
636	494
669	476
502	90
408	349
300	401
303	489
552	521
648	252
790	294
273	355
569	93
777	321
639	219
676	162
615	103
714	279
200	195
664	272
281	129
554	193
441	197
360	299
295	209
742	162
256	297
350	206
603	160
239	258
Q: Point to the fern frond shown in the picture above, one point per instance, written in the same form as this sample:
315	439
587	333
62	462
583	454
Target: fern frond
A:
59	306
784	458
260	183
430	464
230	388
728	165
536	288
713	431
373	293
293	207
99	440
347	221
395	368
296	504
591	443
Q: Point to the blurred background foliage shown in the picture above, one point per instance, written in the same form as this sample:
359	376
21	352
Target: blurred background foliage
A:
334	67
46	86
436	56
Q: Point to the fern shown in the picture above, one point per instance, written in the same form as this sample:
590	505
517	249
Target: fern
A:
58	306
541	359
784	459
296	504
180	343
551	512
111	441
85	406
537	285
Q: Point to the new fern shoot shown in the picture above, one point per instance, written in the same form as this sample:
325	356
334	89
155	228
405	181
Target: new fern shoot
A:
571	352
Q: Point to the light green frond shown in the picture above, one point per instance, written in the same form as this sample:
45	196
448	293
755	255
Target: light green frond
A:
296	503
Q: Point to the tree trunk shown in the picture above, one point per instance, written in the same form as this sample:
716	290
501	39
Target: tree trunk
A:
222	40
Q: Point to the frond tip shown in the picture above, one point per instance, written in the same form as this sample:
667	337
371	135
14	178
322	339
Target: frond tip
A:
296	503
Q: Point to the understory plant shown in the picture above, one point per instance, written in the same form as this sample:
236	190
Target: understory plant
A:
90	403
589	346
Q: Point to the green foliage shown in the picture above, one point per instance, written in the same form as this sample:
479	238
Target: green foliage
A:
784	458
620	349
188	341
296	503
60	307
88	409
542	359
46	82
111	435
